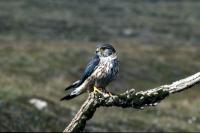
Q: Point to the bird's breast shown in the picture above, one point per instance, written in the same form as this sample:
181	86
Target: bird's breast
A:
106	71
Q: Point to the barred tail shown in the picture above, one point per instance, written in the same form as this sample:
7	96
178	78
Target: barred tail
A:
74	85
72	94
68	97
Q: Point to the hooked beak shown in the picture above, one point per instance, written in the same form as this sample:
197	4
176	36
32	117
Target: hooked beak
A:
98	50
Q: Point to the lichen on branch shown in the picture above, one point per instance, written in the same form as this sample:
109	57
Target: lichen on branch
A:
131	99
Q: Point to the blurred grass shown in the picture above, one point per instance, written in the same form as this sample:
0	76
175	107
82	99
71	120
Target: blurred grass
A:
148	21
44	70
45	45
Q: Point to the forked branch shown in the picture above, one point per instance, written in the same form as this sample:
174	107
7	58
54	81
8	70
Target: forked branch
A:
130	98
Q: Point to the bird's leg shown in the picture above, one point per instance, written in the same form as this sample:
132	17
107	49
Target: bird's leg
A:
96	90
104	92
110	94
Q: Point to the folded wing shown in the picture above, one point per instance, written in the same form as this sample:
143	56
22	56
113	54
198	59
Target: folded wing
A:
91	67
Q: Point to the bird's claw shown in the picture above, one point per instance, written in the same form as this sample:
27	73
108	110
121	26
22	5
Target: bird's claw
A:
107	94
110	94
96	90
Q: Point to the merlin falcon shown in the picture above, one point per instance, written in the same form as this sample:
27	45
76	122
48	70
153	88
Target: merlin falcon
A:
102	69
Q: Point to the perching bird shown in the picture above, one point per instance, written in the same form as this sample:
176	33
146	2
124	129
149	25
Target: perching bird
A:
100	71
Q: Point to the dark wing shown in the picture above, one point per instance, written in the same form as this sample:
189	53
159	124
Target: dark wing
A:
92	65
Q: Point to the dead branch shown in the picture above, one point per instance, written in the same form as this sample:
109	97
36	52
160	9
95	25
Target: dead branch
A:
130	98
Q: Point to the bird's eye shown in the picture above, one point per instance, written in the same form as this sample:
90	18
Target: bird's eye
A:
103	48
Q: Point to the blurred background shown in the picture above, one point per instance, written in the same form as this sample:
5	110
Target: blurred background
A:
46	44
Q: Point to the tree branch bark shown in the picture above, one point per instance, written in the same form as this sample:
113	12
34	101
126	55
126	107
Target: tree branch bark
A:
130	98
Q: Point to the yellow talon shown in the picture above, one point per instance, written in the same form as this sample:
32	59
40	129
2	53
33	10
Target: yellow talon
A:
96	90
110	94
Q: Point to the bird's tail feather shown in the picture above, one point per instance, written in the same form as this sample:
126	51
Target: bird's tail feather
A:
70	87
68	97
73	94
74	85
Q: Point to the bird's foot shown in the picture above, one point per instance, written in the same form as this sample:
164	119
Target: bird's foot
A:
110	94
105	94
97	90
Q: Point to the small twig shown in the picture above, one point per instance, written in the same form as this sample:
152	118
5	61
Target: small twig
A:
130	98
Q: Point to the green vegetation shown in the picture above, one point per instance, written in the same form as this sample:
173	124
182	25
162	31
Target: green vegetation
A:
45	45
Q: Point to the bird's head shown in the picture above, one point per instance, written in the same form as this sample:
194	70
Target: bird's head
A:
105	50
